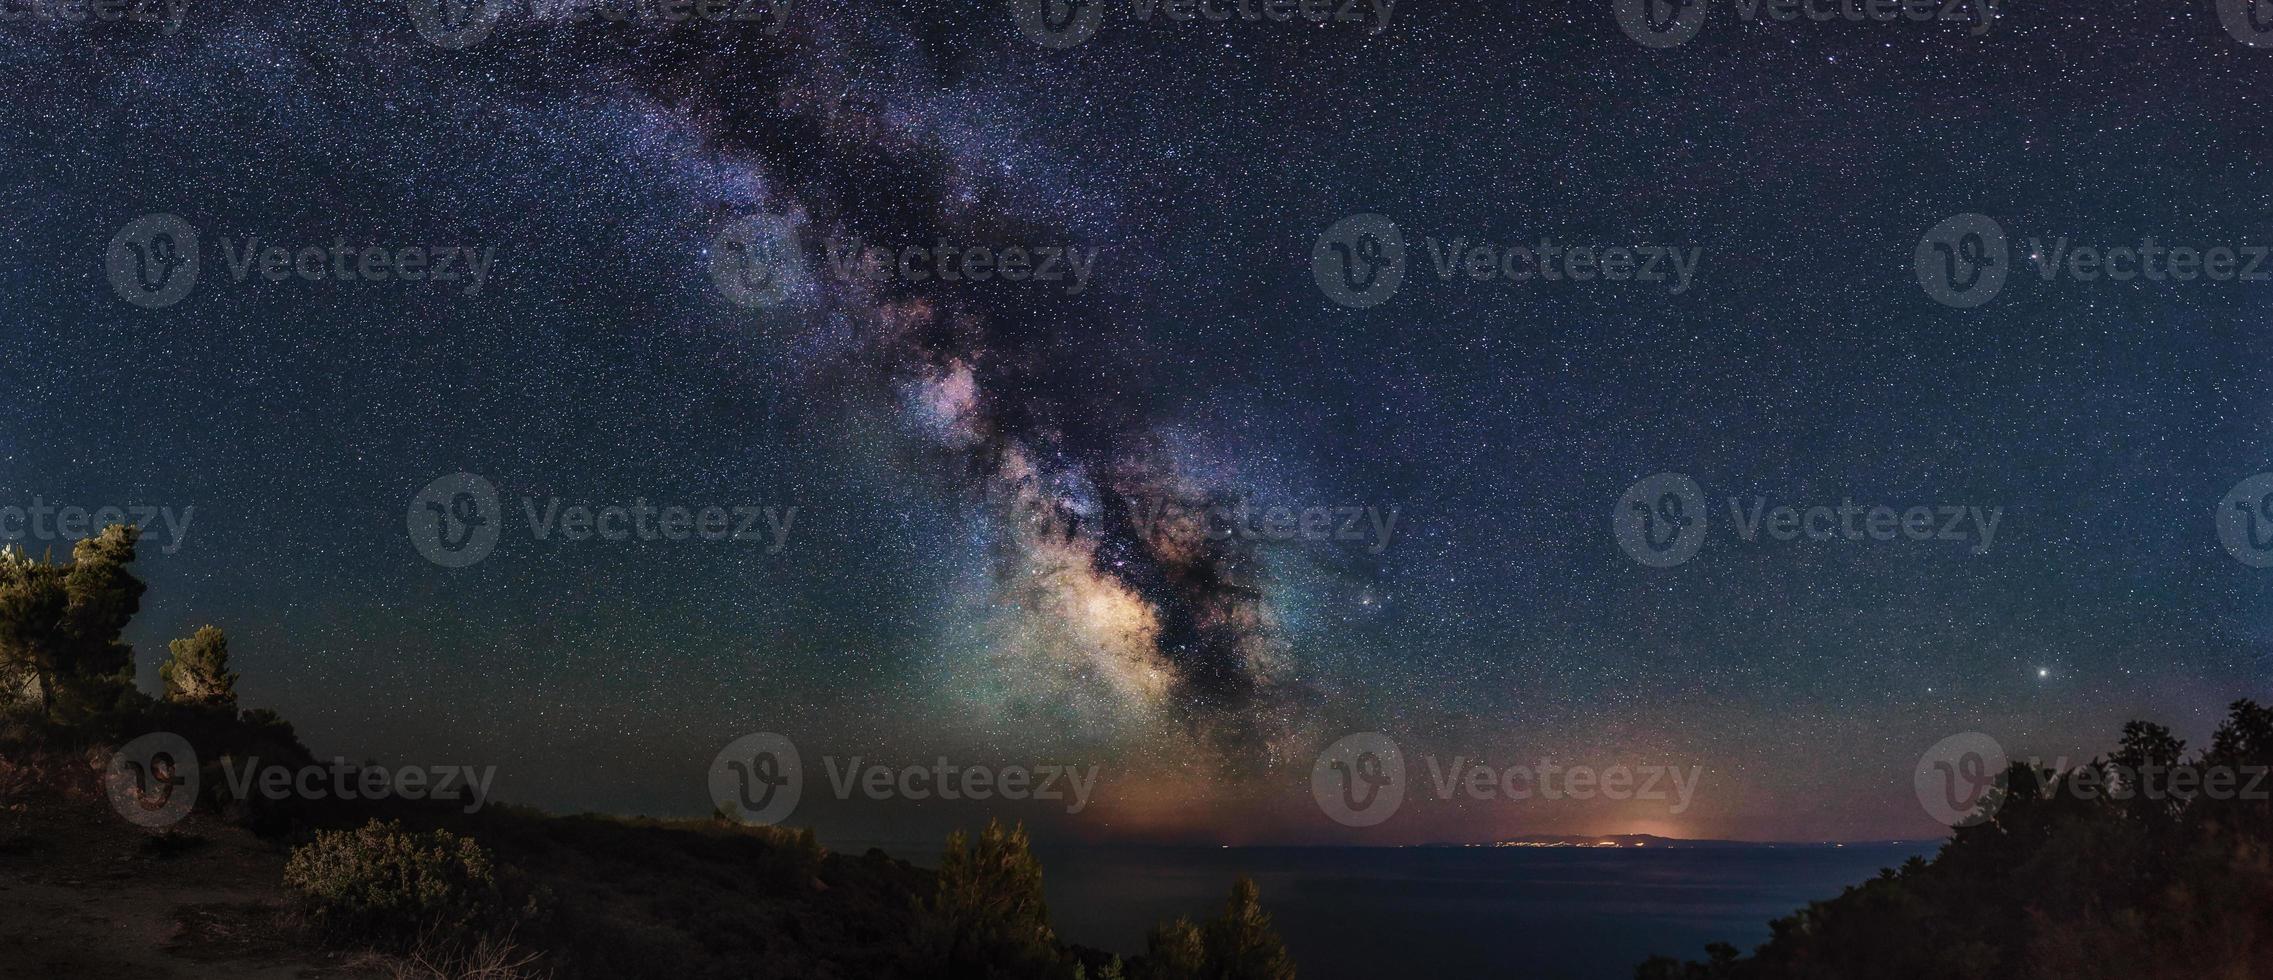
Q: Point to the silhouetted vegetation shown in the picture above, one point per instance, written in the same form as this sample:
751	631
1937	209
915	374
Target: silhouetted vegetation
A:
509	892
2143	865
196	671
60	625
384	885
1237	945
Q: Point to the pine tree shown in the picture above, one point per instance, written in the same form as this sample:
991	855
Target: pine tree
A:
196	672
988	910
1174	950
1237	945
32	606
61	625
104	598
1241	944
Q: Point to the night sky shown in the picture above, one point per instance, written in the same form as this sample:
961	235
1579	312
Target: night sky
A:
964	576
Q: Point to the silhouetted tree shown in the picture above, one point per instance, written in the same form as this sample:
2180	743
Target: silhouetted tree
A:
1240	944
196	671
60	625
987	915
2147	865
33	602
1174	950
104	598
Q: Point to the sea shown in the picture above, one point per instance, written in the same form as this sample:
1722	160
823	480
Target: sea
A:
1538	913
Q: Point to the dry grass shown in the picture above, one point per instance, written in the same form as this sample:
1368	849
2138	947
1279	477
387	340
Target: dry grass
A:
489	959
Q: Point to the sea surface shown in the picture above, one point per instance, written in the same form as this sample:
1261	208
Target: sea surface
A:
1375	913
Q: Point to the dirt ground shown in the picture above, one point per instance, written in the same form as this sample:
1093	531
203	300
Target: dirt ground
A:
83	894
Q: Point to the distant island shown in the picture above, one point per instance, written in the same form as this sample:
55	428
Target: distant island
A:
1650	840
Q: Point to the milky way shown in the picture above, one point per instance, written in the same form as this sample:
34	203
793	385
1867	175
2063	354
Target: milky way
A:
978	566
1067	459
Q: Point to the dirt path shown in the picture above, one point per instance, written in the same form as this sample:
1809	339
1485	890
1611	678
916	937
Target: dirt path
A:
85	895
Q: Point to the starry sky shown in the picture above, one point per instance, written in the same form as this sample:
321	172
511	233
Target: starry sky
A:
964	577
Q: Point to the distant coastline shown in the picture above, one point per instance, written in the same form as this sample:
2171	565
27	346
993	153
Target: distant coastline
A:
1609	841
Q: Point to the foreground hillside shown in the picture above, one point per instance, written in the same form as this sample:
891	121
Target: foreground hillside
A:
2149	864
83	893
126	852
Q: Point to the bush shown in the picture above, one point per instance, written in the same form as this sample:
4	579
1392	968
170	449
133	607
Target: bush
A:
987	917
388	887
1240	944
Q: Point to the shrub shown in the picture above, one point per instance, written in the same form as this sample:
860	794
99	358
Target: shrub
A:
196	671
1240	944
986	916
383	885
